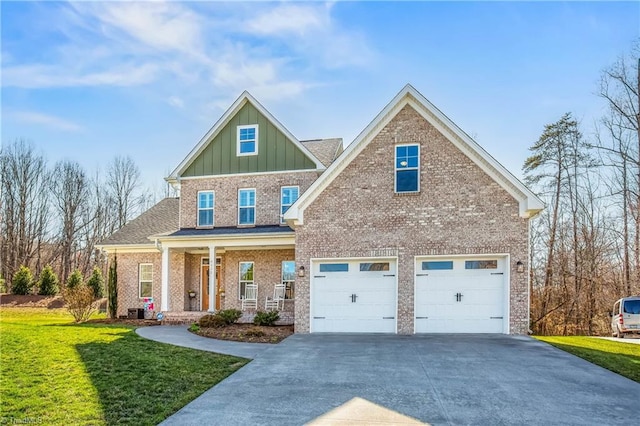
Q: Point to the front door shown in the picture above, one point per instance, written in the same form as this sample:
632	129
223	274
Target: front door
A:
205	287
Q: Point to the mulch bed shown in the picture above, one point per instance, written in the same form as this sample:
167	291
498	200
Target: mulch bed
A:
248	333
31	301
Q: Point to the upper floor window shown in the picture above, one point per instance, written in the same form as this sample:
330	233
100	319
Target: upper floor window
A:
206	201
407	168
288	196
246	207
247	141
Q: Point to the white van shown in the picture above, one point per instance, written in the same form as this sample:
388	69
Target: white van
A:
625	318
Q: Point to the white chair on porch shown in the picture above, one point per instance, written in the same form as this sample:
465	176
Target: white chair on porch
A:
250	299
276	302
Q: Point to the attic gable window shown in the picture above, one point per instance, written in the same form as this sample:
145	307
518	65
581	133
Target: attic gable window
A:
407	168
247	140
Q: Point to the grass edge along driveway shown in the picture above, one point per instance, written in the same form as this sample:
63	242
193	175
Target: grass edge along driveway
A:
57	372
619	357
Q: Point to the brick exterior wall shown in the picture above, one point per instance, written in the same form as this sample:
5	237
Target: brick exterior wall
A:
459	210
128	267
267	188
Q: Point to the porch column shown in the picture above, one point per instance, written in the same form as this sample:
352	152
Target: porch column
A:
212	278
164	304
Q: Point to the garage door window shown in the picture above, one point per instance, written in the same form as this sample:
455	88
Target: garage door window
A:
481	264
378	266
334	267
439	265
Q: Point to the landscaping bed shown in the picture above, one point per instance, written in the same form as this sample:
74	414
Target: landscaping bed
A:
31	301
246	333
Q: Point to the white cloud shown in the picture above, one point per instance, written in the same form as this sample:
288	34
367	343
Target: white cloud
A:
206	52
39	76
291	18
176	102
32	117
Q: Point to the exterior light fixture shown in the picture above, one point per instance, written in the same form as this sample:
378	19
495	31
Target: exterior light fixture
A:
519	267
301	271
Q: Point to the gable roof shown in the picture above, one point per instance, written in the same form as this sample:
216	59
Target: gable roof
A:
529	203
161	218
244	98
325	150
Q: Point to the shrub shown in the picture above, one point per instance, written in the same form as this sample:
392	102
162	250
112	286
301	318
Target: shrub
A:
254	332
212	321
229	316
3	285
194	327
48	284
266	318
75	280
22	281
80	302
221	318
96	283
112	295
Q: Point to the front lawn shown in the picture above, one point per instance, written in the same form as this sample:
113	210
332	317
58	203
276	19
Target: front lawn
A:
56	372
619	357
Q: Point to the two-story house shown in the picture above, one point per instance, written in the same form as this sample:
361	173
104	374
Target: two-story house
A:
413	228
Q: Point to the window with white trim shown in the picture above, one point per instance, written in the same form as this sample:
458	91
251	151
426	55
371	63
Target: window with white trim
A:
245	277
145	280
206	203
289	278
247	140
407	168
288	196
246	207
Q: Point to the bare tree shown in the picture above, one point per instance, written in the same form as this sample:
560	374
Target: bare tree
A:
123	179
70	193
23	207
620	140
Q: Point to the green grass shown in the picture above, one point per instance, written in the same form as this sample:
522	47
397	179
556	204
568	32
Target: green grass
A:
56	372
619	357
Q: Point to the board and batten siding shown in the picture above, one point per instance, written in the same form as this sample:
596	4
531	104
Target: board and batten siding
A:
276	152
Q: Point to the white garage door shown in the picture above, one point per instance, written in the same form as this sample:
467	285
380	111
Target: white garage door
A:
460	295
350	295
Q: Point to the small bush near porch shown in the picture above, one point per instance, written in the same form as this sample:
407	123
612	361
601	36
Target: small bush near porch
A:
57	372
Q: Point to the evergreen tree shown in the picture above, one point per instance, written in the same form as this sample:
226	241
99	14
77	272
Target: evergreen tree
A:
48	282
96	283
22	281
112	288
75	280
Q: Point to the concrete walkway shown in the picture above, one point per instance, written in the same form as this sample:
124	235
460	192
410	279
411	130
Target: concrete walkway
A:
628	339
435	379
179	335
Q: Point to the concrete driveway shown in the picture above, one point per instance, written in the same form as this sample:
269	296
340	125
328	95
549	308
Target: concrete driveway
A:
437	379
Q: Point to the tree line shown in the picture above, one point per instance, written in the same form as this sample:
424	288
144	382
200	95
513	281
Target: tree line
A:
585	246
56	214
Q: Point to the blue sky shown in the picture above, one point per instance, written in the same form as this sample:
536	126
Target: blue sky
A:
90	80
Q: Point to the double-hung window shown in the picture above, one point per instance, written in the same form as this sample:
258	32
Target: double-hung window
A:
145	280
289	278
246	207
247	140
246	277
288	196
407	168
206	202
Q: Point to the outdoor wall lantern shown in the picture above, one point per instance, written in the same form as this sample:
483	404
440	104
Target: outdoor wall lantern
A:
519	267
301	271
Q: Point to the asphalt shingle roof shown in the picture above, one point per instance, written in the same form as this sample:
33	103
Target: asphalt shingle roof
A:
231	230
161	218
325	150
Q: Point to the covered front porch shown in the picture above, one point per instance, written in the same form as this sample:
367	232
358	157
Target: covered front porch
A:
192	284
